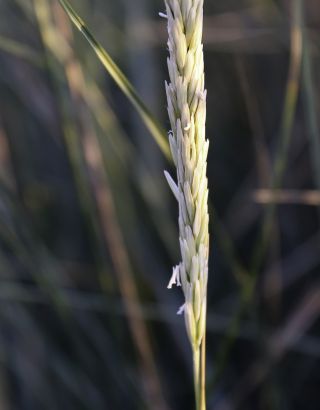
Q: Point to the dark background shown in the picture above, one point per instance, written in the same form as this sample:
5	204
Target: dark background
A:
88	227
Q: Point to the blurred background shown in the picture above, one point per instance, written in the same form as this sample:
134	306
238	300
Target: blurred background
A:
88	227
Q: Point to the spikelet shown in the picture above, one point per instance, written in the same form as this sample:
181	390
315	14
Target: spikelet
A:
186	98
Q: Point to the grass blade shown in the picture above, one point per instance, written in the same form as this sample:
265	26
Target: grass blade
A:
121	80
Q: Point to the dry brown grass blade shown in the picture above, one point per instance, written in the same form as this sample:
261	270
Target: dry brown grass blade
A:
287	196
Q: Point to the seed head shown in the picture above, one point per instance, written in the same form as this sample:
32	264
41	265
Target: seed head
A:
186	99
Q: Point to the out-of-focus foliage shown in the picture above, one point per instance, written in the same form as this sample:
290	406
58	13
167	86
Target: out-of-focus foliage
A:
88	229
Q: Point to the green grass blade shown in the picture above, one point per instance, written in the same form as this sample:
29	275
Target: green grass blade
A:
121	80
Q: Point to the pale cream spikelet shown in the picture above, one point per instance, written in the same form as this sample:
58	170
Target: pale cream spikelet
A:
186	98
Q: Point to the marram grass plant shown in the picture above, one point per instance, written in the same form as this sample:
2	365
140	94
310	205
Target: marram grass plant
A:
186	97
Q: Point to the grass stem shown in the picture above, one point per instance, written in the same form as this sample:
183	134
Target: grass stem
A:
203	374
196	375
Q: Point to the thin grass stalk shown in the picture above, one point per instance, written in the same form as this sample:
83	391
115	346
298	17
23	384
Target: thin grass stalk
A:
196	375
287	123
186	98
120	79
310	102
203	372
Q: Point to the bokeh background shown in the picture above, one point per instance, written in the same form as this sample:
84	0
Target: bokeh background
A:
88	227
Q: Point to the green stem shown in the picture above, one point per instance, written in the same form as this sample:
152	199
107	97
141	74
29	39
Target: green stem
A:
196	376
203	374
